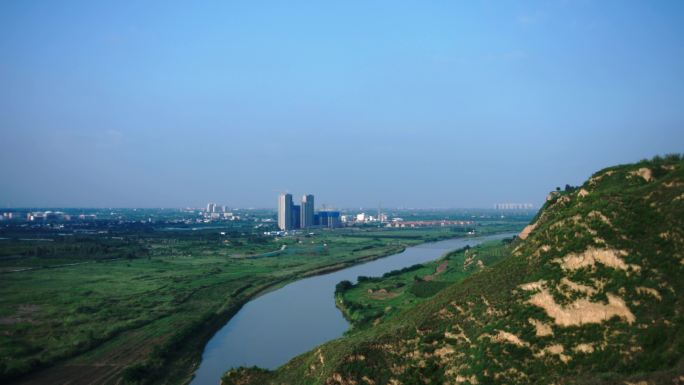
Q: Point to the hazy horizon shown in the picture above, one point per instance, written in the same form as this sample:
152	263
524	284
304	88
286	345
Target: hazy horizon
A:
369	209
537	204
442	104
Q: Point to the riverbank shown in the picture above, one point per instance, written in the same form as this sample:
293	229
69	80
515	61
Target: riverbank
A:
374	300
273	329
220	320
197	343
192	352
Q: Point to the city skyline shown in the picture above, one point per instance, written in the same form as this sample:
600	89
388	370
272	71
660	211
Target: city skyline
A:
293	216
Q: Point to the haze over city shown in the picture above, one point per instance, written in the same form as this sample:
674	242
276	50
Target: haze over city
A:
168	104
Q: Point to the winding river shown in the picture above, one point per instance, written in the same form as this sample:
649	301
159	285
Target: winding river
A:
281	324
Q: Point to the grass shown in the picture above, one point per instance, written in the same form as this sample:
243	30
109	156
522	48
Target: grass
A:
78	308
380	299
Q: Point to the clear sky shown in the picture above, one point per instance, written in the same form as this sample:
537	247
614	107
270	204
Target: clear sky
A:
408	103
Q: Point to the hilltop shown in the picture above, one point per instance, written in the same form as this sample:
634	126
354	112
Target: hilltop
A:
590	293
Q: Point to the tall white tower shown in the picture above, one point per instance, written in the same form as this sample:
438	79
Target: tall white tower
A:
285	211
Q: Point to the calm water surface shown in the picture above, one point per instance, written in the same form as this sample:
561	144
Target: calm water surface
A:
275	327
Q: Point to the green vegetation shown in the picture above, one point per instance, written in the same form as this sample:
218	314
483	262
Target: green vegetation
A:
137	302
591	294
375	300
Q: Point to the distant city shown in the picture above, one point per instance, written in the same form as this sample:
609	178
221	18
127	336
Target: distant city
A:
291	218
215	211
304	216
513	206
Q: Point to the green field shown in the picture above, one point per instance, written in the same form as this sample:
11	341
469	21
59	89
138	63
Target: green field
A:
139	304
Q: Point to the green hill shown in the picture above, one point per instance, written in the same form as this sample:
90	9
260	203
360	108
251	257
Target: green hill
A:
591	293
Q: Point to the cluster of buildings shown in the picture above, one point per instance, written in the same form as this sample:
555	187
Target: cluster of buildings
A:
400	223
214	212
513	206
56	216
362	218
46	216
303	216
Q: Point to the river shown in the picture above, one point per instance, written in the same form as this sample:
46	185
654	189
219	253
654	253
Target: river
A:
279	325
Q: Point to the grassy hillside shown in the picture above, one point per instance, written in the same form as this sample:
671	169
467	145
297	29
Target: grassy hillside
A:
592	293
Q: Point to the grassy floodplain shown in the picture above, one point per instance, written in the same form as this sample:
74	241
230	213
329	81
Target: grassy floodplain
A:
377	299
138	303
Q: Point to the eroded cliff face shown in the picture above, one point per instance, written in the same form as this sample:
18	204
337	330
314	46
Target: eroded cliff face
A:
593	292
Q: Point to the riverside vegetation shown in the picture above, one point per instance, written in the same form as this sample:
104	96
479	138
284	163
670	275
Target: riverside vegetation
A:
137	303
378	299
590	293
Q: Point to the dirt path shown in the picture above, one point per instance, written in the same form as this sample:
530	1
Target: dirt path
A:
440	269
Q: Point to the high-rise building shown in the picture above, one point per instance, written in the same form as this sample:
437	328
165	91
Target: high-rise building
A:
296	216
285	211
329	218
307	211
211	207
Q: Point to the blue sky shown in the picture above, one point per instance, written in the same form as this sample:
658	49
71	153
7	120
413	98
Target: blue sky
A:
407	103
